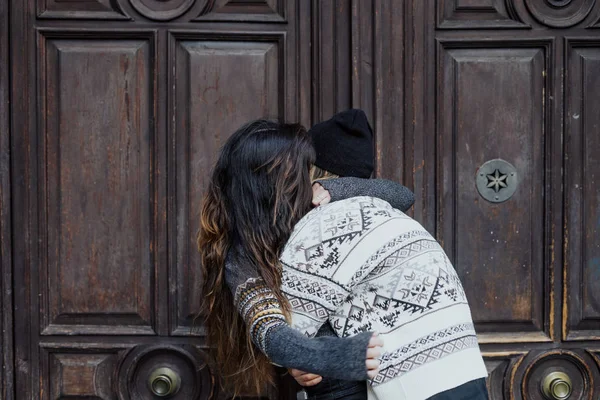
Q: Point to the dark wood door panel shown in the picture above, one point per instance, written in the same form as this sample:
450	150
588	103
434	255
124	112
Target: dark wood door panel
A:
244	11
113	369
496	15
157	10
109	267
218	86
501	368
582	175
492	106
531	101
95	164
477	14
80	9
78	374
200	11
557	14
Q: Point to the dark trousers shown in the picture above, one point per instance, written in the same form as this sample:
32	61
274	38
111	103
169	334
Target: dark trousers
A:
473	390
334	389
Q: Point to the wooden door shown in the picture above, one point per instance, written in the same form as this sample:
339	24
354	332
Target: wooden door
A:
518	81
118	110
452	86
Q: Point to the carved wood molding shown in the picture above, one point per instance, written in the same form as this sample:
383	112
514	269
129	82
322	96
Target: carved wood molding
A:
559	13
81	9
241	11
162	10
500	14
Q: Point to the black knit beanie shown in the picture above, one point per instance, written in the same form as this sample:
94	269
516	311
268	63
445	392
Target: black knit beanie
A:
344	144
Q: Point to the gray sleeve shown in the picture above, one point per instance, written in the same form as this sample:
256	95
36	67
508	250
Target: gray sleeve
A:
332	357
399	196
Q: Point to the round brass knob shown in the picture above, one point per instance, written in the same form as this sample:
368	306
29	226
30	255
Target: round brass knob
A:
164	382
557	386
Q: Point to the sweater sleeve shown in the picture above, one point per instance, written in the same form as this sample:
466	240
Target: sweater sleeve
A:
399	196
333	357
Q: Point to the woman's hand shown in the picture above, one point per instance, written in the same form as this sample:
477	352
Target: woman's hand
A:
320	195
305	378
373	354
372	364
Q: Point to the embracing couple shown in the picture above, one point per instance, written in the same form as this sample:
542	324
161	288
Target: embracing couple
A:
310	265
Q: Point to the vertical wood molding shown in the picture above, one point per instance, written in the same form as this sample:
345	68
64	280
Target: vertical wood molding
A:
421	114
303	16
6	320
23	176
388	94
331	63
363	45
358	61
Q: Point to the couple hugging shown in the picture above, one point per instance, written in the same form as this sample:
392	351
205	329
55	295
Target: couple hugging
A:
310	265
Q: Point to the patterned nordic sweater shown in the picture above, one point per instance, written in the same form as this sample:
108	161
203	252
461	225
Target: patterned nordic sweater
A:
328	356
364	266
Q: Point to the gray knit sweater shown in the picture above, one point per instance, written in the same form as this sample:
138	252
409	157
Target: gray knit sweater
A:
326	355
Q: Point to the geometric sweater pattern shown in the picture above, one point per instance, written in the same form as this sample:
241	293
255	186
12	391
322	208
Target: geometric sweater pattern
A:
328	355
364	266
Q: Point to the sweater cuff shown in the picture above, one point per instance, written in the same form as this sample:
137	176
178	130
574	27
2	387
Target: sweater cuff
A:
330	357
260	310
399	196
336	188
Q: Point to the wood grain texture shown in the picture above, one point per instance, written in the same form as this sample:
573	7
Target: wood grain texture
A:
498	249
501	367
82	375
331	58
478	14
244	11
218	86
23	204
80	9
98	233
96	165
582	121
159	10
559	14
117	110
562	294
6	304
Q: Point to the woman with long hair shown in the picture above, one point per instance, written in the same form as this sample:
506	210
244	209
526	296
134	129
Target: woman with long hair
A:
260	188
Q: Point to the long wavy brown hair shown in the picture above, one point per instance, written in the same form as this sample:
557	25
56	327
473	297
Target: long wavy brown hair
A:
260	187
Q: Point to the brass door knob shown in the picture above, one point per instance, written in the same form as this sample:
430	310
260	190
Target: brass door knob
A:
164	382
557	386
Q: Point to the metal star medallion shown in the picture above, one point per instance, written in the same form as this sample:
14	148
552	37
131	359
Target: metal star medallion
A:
497	180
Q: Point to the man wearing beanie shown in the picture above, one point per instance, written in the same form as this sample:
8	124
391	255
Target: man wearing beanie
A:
344	144
344	148
368	305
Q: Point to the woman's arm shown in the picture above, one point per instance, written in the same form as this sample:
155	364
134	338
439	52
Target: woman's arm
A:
327	356
399	196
